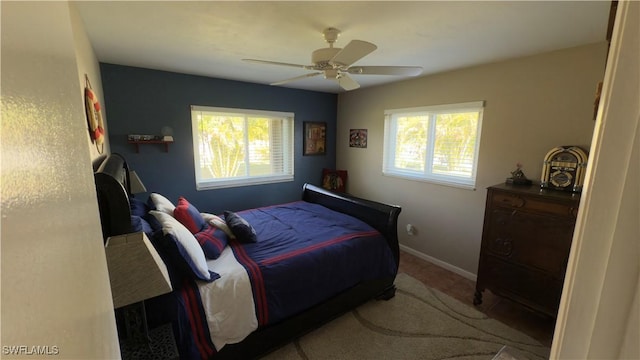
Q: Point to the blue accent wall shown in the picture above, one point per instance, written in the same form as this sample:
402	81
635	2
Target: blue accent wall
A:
142	101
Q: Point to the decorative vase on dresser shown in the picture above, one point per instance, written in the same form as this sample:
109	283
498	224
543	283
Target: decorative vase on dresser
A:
525	244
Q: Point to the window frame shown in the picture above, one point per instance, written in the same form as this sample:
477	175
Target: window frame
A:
287	147
390	141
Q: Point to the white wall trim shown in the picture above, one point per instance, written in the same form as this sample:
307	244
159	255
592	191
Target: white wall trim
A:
595	314
438	262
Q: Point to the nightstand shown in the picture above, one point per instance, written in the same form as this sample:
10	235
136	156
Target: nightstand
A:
162	345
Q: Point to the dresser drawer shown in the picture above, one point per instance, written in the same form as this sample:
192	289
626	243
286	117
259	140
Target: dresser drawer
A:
534	204
537	241
531	288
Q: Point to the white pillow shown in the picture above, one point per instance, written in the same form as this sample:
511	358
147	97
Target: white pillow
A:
187	244
162	203
218	222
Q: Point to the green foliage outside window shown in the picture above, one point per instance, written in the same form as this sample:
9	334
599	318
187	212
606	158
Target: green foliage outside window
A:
436	143
234	146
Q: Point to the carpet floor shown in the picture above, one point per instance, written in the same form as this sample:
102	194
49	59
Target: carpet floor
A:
418	323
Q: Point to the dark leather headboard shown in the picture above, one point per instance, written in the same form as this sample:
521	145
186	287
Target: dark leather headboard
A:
113	189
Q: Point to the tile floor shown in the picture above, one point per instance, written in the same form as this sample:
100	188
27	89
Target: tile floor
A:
537	326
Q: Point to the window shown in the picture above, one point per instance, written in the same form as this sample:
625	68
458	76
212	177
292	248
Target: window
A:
434	143
237	147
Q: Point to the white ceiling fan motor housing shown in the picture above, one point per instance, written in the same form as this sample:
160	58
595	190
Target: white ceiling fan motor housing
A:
330	35
322	56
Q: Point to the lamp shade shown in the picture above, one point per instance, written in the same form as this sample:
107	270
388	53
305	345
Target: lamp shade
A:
136	271
135	183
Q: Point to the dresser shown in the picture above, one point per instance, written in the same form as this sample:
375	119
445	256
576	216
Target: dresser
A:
526	240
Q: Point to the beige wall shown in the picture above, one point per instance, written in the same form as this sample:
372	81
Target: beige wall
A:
55	285
532	105
599	315
88	64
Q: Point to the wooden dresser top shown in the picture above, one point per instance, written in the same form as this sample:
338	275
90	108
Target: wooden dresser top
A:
535	190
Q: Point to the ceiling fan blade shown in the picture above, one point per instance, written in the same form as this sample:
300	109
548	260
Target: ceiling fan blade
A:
386	70
276	63
346	82
354	51
297	78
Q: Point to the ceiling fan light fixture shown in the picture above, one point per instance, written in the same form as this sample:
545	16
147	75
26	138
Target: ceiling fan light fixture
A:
331	74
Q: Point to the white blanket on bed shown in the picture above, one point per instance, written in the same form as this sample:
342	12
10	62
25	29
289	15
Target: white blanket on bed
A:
228	301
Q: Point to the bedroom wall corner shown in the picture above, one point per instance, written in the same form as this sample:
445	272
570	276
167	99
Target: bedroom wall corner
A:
88	64
56	295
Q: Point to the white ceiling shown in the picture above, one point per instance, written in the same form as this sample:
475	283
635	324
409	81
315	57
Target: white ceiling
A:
211	37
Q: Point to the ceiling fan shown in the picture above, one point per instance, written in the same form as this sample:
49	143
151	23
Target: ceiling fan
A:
335	63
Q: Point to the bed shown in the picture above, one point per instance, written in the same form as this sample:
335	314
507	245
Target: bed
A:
290	267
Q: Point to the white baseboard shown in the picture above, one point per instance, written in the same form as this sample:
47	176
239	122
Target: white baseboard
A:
442	264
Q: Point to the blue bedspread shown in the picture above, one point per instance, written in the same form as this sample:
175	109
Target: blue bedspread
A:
305	254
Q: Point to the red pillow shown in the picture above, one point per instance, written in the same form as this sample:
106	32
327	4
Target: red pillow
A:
188	216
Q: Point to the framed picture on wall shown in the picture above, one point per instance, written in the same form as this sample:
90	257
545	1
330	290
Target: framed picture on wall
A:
315	138
358	138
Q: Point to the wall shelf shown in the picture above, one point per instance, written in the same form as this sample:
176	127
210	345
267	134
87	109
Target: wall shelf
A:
137	143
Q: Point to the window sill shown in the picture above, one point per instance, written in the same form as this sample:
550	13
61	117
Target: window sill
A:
202	186
454	184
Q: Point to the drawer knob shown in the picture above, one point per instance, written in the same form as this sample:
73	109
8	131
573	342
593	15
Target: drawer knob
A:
503	247
573	211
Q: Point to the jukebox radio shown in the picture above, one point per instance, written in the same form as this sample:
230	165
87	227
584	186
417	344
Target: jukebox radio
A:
564	169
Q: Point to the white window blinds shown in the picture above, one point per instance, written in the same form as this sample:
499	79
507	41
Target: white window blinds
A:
237	147
436	143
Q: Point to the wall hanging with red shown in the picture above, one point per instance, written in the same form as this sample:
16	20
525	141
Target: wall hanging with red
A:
94	115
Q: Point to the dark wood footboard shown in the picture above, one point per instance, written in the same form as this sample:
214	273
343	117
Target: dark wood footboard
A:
382	217
272	337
